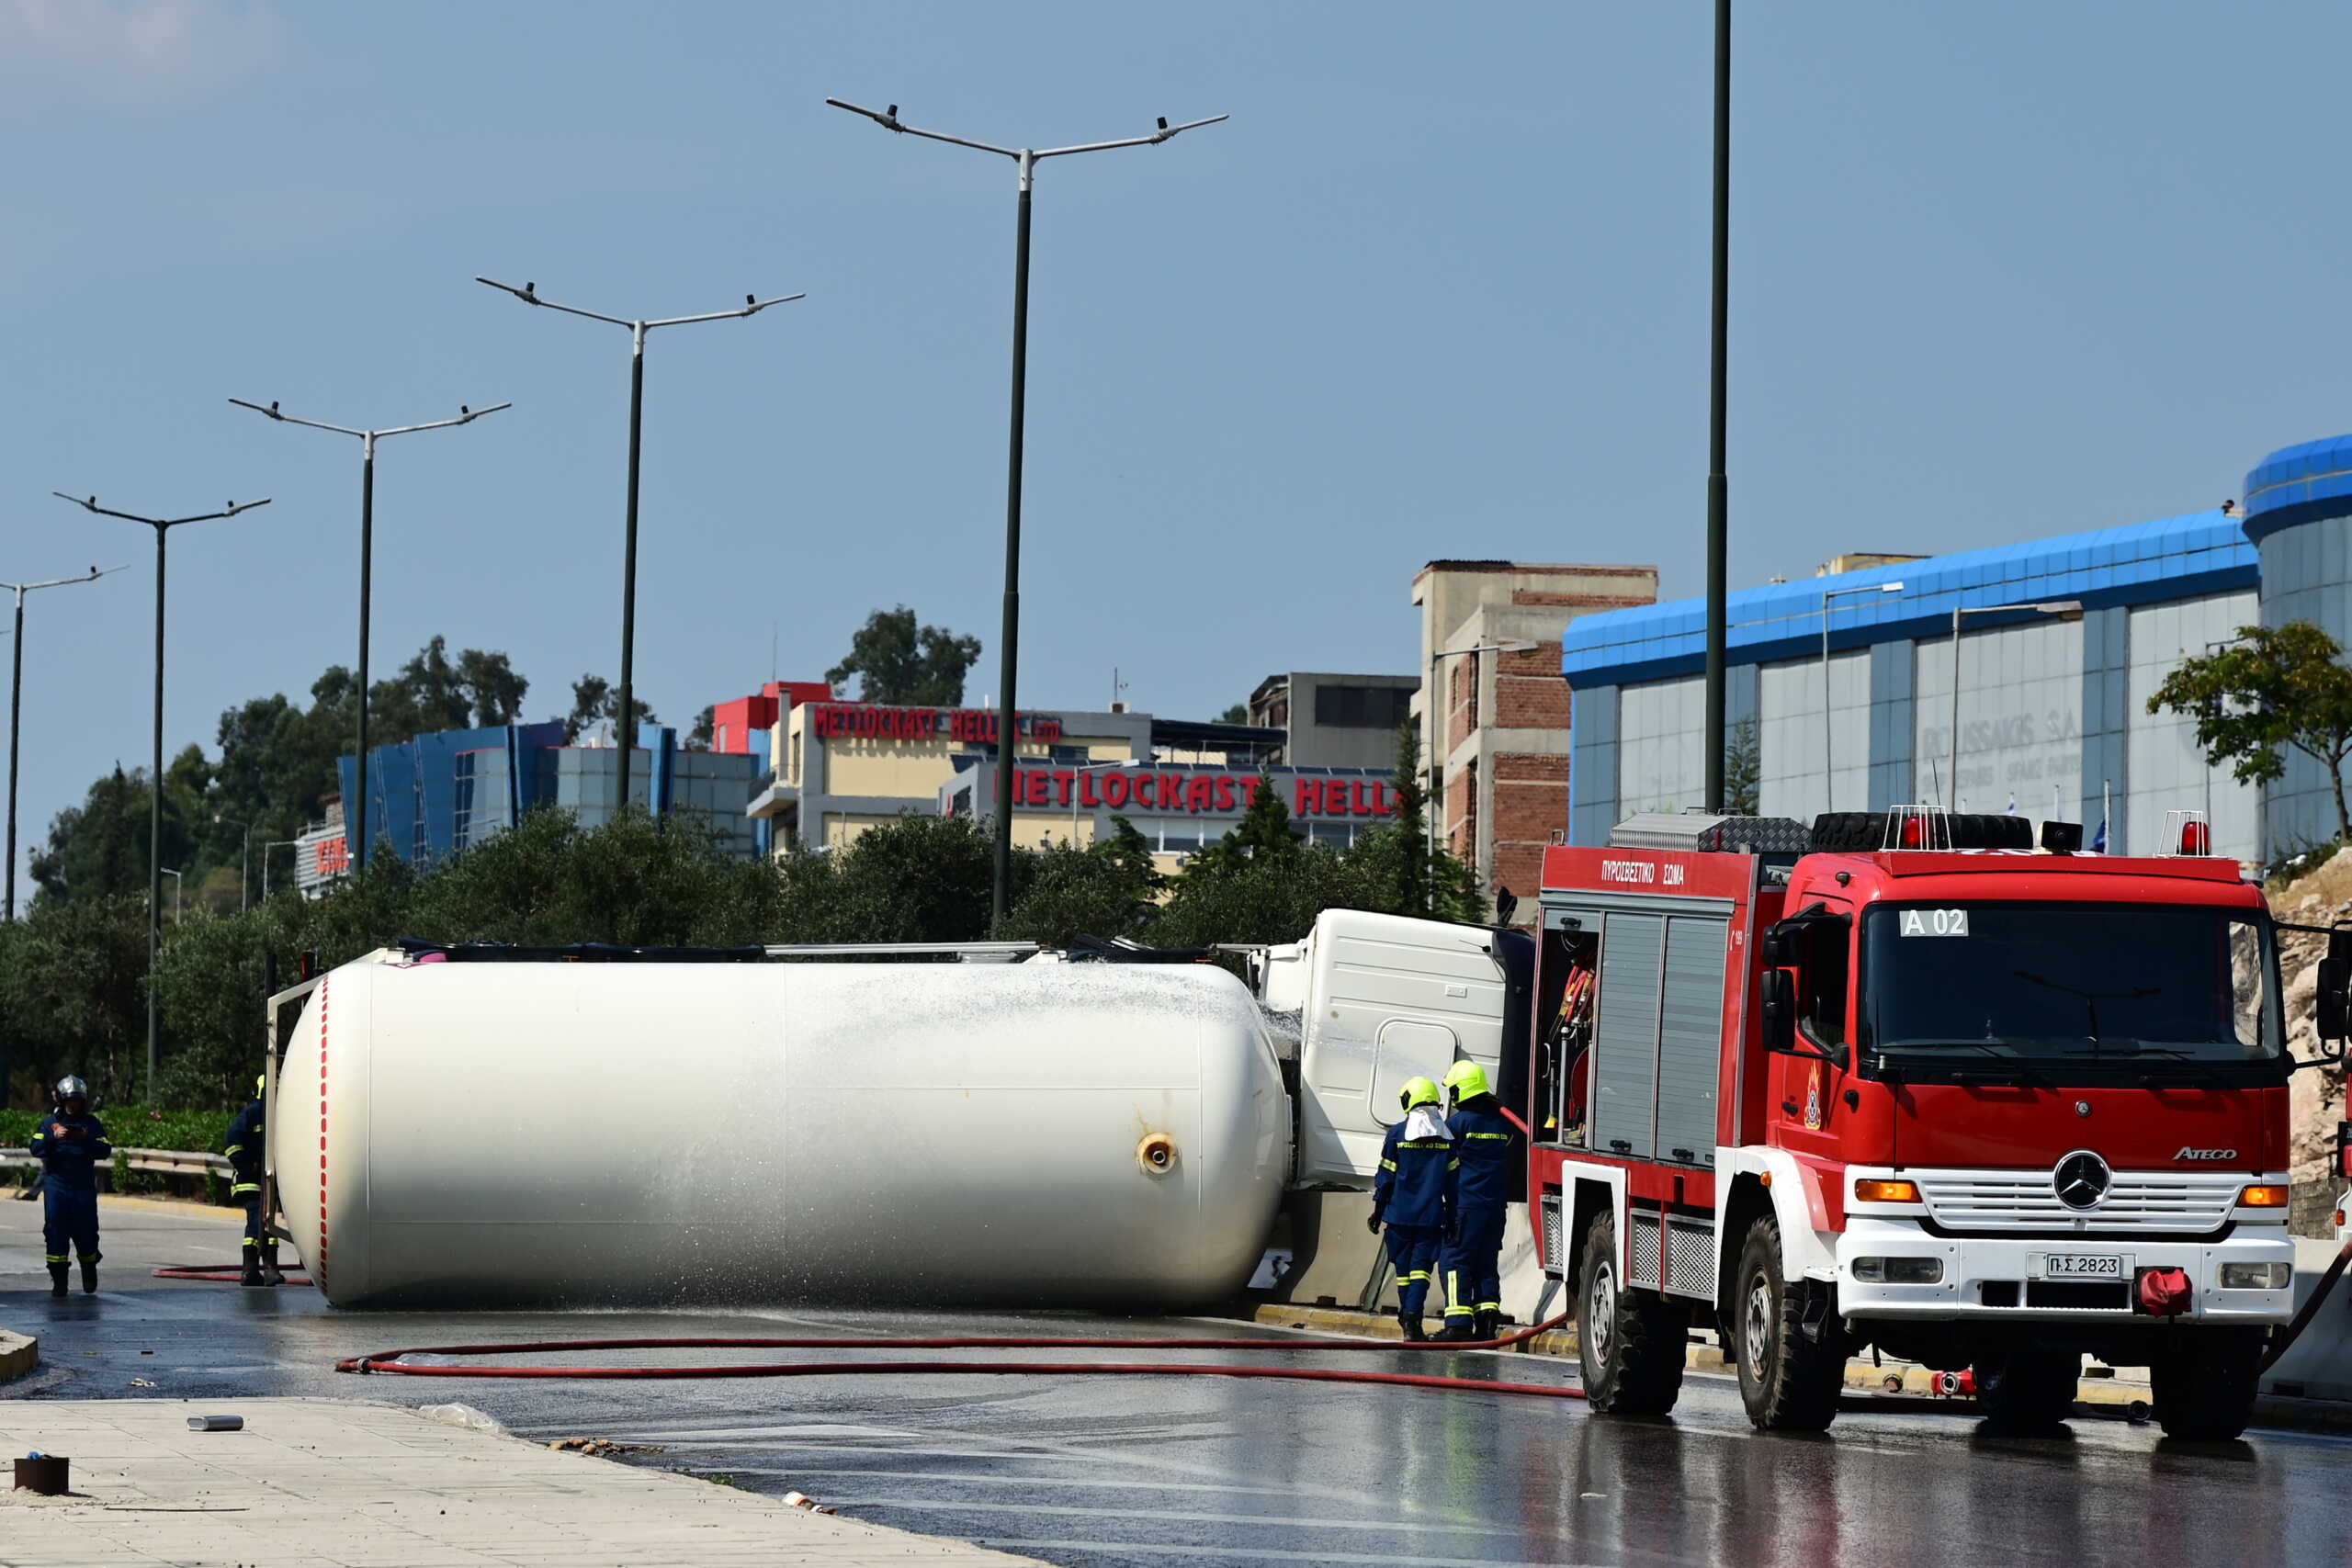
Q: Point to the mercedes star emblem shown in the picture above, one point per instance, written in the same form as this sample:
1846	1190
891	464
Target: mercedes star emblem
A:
2081	1180
2081	1108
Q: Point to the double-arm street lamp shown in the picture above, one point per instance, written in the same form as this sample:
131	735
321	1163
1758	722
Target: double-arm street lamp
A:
1025	160
752	306
16	702
2062	609
1828	790
367	439
162	527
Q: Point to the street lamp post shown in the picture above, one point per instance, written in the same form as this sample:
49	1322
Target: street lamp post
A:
1719	358
2063	609
162	527
1436	723
1025	160
245	862
1828	764
752	306
180	890
269	845
15	702
367	439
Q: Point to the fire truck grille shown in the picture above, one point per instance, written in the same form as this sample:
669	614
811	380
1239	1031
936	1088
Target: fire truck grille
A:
2182	1202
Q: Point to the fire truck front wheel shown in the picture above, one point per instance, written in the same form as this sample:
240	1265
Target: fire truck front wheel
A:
2205	1385
1792	1351
1630	1342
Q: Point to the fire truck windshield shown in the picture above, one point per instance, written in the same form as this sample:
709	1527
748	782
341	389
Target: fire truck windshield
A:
2090	987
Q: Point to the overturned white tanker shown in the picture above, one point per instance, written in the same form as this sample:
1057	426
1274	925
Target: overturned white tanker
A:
516	1130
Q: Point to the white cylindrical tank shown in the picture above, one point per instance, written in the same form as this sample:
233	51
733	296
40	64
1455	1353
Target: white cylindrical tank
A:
494	1132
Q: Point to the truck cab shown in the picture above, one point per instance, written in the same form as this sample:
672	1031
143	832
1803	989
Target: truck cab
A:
1976	1106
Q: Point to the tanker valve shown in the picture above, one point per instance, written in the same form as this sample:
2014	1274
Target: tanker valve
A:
1155	1154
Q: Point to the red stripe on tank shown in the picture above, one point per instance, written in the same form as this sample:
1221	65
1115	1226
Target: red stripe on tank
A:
318	1269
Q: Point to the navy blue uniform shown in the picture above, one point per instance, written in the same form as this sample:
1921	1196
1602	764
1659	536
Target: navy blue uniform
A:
244	1147
1471	1261
70	1182
1411	1194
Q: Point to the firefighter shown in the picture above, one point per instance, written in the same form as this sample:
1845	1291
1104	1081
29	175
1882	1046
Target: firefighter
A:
1471	1260
244	1148
1409	1196
69	1143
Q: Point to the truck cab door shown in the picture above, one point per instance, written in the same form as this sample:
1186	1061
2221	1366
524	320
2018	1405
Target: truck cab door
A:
1810	1066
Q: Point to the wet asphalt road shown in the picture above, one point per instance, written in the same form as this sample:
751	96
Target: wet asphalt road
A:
1199	1471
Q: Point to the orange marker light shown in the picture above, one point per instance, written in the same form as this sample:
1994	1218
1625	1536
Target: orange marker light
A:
1869	1191
2264	1197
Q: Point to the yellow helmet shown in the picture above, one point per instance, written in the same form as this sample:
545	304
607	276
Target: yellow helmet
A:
1466	1080
1418	1091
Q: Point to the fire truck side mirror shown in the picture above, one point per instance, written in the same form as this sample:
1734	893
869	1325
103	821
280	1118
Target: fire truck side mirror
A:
2331	1007
1779	997
2343	1148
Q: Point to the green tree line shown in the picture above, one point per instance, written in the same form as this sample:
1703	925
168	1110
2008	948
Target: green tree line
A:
72	973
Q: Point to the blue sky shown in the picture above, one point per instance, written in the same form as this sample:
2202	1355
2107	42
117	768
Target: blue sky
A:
1438	288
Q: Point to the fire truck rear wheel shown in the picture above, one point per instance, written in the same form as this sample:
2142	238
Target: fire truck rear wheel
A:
1788	1379
2205	1389
2028	1390
1630	1342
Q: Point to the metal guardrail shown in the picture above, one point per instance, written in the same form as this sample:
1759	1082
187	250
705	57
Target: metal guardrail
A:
155	1162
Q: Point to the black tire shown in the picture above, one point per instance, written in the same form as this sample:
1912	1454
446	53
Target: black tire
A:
2028	1390
2205	1387
1788	1379
1630	1342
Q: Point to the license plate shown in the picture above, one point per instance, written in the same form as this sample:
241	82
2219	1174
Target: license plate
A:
2080	1266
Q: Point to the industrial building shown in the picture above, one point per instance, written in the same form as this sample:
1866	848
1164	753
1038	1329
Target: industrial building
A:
1493	711
433	796
2051	697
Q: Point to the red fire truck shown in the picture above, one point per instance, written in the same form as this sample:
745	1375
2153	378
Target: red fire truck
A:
1981	1107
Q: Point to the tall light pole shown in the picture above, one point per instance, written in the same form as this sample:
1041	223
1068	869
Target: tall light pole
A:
162	527
15	704
1026	161
1828	790
1436	723
752	306
267	846
367	439
1718	485
245	862
2063	609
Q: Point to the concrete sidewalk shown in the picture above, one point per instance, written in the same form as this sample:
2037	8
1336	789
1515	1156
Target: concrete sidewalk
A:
312	1480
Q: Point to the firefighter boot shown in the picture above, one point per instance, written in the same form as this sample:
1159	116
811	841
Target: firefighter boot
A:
1489	1322
57	1279
269	1270
90	1275
1410	1322
251	1274
1457	1329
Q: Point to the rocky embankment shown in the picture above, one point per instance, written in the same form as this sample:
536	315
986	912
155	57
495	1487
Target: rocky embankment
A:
2319	898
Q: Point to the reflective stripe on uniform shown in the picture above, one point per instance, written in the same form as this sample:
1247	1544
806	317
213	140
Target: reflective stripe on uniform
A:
1388	1165
234	1149
1491	1307
60	1257
1498	1137
244	1187
1426	1143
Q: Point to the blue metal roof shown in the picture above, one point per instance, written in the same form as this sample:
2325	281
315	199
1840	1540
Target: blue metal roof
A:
2295	484
2172	557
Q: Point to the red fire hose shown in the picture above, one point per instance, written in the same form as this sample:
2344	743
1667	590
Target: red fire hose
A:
390	1362
225	1274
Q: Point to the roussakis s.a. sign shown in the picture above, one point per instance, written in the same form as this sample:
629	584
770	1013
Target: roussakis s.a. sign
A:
858	721
1195	793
